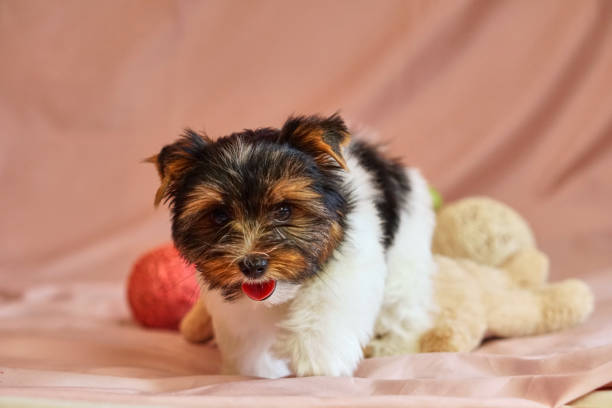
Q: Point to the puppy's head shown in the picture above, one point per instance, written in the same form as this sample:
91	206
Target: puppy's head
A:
261	205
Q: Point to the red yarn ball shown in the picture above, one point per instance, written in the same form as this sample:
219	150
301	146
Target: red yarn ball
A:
162	288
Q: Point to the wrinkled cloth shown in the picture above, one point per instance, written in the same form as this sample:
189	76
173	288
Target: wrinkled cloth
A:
78	342
502	98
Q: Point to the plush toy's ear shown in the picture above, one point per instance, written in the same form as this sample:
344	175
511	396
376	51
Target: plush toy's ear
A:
174	160
320	137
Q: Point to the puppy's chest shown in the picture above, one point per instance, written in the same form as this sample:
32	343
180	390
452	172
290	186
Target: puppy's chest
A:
245	332
244	317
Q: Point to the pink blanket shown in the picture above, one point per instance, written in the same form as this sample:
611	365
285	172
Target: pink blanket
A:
508	99
76	341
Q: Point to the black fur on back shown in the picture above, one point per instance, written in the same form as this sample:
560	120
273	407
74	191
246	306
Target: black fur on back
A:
390	179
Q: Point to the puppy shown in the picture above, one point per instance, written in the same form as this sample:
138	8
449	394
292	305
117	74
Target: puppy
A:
309	246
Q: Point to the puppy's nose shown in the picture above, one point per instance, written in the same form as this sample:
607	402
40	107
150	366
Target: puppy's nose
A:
253	266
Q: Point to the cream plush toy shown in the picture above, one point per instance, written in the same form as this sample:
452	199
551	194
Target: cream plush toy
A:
491	280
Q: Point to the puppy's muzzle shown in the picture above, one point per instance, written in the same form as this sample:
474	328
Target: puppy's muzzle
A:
253	266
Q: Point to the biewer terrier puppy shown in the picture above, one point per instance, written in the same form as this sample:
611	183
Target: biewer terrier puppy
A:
309	246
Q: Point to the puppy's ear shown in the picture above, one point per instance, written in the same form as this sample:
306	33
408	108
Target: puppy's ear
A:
175	160
320	137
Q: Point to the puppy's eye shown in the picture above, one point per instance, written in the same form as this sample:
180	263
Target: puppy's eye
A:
282	212
220	216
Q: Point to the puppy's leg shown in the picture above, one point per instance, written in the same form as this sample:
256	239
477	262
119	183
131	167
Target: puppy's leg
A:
196	326
245	331
332	317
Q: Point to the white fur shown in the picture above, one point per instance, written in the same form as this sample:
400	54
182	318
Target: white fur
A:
322	326
245	331
408	301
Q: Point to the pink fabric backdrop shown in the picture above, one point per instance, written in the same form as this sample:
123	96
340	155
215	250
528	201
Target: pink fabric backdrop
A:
507	99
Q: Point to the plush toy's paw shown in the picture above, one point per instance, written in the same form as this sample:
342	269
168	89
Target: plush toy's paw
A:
447	339
565	304
314	354
391	345
196	326
528	267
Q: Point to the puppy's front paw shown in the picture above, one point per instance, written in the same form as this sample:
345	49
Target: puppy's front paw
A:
313	354
196	326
